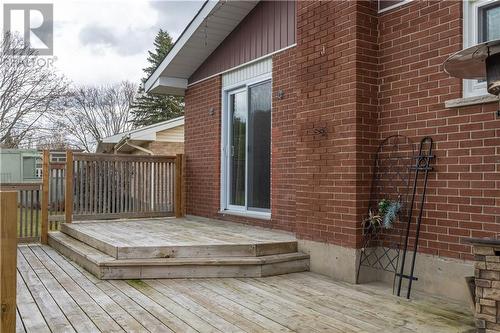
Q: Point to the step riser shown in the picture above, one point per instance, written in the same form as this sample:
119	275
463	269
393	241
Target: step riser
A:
95	243
208	251
80	259
180	272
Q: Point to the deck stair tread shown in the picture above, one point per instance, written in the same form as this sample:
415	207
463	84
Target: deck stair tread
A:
105	266
184	238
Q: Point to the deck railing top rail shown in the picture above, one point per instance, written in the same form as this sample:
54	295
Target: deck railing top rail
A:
20	186
122	157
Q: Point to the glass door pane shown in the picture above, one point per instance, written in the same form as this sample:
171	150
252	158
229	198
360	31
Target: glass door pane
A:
492	23
237	146
259	147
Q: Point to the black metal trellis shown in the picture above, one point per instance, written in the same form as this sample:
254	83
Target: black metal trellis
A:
395	165
391	180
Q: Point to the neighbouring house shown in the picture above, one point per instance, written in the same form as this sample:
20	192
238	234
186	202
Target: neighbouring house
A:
286	103
20	165
25	165
163	138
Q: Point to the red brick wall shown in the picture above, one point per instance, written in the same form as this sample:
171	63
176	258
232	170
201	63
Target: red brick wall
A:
464	190
283	137
337	80
202	147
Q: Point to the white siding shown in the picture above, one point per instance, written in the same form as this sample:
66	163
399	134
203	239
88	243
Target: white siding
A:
175	134
247	72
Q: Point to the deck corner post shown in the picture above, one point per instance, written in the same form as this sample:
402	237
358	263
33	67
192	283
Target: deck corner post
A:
179	186
68	200
45	197
8	261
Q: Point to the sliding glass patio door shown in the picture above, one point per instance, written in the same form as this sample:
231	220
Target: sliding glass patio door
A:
249	148
238	147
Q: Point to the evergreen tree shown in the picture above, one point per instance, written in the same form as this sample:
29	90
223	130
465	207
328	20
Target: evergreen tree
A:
148	108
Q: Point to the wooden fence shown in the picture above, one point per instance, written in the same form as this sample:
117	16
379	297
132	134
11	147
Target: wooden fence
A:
28	207
102	186
98	186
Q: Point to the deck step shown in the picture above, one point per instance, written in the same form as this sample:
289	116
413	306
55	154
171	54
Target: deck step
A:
104	266
92	235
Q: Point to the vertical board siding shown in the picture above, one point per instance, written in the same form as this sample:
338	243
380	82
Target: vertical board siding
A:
269	27
247	72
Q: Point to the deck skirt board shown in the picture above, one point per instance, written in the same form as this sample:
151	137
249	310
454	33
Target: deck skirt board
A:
55	294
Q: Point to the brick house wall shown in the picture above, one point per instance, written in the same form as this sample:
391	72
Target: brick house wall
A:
354	78
464	190
202	147
337	80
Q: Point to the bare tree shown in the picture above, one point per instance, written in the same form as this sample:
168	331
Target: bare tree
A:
29	90
93	113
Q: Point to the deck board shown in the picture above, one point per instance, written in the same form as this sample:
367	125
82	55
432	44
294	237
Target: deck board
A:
56	295
177	232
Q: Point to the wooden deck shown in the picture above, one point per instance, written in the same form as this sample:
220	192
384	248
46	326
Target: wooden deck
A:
178	248
179	237
56	295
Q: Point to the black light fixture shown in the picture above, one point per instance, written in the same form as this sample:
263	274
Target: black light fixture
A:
478	62
493	74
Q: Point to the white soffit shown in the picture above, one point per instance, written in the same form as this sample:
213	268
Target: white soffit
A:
213	23
247	72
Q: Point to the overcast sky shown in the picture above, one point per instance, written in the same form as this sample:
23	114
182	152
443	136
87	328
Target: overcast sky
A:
106	41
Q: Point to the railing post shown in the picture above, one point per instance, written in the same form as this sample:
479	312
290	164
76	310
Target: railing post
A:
183	185
8	261
45	197
68	194
179	186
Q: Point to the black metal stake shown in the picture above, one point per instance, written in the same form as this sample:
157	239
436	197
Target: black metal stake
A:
426	168
420	160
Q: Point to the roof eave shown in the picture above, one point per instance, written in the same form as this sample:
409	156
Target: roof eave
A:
207	7
208	29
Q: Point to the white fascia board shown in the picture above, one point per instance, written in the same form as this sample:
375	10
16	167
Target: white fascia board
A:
169	85
147	133
179	44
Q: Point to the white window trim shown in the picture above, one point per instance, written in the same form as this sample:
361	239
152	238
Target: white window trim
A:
473	88
225	208
396	5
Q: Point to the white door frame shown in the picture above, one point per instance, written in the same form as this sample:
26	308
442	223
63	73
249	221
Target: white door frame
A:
225	151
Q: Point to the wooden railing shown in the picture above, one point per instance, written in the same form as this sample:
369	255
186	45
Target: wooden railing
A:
102	186
28	207
8	255
98	186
